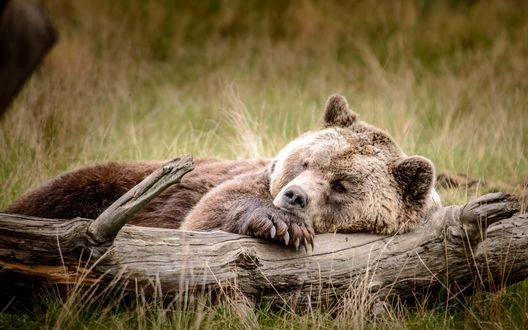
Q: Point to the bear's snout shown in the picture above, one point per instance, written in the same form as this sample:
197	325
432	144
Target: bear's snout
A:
294	197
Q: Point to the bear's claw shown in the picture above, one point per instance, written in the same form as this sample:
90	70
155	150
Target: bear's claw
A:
273	223
273	231
297	243
286	238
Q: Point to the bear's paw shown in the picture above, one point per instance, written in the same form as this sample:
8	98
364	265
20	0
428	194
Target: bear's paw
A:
273	223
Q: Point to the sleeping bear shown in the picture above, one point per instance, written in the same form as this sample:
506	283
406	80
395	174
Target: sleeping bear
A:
348	176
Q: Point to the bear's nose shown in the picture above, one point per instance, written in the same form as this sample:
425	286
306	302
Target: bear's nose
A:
295	197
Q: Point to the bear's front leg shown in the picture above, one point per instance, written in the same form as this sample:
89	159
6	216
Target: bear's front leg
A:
244	206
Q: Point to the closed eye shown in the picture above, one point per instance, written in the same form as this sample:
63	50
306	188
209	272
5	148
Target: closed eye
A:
338	186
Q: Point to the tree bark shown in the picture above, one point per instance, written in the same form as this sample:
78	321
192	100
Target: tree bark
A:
482	244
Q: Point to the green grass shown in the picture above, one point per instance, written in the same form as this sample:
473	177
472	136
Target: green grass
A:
239	79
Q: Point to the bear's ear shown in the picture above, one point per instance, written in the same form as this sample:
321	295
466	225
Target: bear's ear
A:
337	113
415	176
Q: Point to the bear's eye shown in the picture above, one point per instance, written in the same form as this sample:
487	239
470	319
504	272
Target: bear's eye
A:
338	186
305	164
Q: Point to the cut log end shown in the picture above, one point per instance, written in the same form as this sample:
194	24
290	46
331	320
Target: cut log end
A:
477	215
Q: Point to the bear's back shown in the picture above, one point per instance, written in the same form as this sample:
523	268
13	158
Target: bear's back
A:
87	191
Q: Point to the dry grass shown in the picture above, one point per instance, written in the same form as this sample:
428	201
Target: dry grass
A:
233	80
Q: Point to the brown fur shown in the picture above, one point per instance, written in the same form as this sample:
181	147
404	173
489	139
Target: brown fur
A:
346	177
88	191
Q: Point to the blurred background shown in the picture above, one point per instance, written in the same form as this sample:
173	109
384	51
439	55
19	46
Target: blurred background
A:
237	79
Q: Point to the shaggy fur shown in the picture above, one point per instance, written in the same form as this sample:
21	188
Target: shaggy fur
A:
346	177
88	191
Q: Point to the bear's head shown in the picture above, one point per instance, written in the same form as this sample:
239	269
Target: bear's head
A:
352	177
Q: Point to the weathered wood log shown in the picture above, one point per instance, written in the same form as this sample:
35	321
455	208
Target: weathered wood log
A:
446	250
462	245
76	237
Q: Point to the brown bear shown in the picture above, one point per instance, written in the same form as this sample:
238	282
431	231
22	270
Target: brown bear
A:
346	177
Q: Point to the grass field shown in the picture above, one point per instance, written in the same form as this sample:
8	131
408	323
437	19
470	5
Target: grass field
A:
239	79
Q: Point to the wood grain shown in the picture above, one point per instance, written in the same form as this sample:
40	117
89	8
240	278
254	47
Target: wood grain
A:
440	253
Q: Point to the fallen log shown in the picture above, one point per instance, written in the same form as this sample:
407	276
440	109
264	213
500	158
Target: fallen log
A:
482	244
